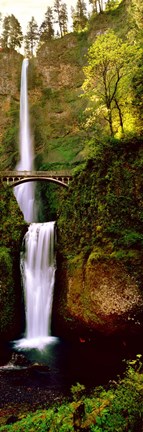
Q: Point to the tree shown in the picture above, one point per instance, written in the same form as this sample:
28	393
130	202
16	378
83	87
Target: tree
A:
97	5
32	36
108	76
12	36
16	36
46	28
6	31
111	4
57	10
137	10
64	18
79	15
134	11
94	5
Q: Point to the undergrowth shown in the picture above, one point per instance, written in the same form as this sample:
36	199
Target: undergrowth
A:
118	408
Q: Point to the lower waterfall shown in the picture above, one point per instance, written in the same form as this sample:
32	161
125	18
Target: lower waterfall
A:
38	266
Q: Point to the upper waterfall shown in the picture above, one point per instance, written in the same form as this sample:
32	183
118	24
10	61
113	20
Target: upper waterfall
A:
25	193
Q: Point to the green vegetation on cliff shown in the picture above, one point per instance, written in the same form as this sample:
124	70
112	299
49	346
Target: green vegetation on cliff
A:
104	205
90	122
11	233
62	121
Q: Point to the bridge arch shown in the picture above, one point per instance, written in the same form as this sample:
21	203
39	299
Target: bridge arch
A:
15	178
49	179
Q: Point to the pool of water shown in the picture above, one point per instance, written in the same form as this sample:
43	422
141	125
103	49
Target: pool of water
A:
89	363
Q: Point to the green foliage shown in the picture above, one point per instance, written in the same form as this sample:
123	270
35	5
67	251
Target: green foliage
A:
34	77
47	197
103	212
12	36
117	409
136	10
9	150
31	37
112	4
137	85
46	28
5	261
77	391
79	16
11	233
108	79
126	410
6	290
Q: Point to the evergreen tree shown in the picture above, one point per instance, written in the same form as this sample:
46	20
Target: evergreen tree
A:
5	33
98	5
64	18
32	36
57	10
16	36
12	36
79	15
46	28
94	5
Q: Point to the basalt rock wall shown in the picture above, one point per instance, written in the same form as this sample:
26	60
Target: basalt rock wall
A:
13	228
97	299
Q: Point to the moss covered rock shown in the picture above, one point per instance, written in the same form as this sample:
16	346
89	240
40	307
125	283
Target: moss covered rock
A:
99	297
12	231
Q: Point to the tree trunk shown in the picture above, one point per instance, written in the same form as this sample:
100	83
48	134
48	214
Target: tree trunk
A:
110	121
120	115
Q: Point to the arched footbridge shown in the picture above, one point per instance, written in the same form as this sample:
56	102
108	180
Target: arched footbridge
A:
15	178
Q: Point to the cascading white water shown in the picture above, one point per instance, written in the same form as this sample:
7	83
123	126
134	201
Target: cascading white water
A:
38	274
38	261
25	192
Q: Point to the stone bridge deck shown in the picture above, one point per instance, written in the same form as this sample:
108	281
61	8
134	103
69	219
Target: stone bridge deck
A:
14	178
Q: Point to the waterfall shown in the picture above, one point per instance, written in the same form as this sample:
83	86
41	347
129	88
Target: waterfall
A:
38	260
38	275
25	193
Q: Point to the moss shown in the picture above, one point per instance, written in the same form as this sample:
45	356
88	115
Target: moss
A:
125	255
12	230
7	295
97	254
103	213
76	262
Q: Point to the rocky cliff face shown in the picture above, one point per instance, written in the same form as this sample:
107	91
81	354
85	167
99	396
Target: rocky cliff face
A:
59	107
10	65
55	78
60	62
100	298
11	297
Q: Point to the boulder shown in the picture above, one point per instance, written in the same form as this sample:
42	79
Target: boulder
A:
101	297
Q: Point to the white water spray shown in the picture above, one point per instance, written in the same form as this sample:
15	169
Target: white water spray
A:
38	261
25	193
38	274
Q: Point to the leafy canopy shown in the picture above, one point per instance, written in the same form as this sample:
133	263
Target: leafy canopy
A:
108	74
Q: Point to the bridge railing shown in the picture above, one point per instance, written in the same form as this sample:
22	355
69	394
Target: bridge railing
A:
13	178
25	173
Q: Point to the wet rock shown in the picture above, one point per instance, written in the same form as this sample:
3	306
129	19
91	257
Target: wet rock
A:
19	360
39	367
